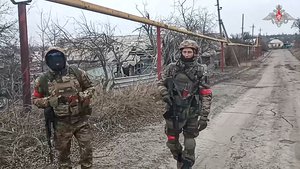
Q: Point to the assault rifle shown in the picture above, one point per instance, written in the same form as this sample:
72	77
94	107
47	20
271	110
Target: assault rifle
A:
172	113
50	123
172	110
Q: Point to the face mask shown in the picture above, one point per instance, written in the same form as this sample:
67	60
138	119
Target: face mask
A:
186	59
56	61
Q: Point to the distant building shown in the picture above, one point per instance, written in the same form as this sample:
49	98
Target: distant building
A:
133	52
275	44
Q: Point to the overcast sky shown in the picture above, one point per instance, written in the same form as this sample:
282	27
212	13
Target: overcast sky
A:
231	13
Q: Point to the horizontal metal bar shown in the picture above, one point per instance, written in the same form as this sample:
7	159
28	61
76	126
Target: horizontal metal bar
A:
108	11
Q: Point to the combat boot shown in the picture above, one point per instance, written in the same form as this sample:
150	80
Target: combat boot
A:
186	164
65	167
179	161
84	167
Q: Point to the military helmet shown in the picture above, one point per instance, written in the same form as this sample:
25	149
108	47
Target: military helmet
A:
53	48
189	44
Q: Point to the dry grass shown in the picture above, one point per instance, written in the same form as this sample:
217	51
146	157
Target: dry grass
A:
296	52
22	141
125	110
22	136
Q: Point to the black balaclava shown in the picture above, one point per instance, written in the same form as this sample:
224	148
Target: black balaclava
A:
56	60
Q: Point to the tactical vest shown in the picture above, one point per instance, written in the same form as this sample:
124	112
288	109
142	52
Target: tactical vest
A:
68	85
186	90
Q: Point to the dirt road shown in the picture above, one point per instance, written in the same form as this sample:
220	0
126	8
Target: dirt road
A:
254	123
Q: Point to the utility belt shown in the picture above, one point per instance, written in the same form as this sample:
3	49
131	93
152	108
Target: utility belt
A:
67	110
75	117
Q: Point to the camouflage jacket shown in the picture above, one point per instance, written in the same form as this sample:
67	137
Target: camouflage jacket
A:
70	85
189	75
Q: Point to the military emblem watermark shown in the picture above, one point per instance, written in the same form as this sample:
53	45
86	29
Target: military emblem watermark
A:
279	16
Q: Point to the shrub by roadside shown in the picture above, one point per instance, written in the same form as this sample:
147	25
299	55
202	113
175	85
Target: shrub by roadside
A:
23	142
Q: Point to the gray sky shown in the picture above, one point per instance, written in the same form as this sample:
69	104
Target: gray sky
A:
231	13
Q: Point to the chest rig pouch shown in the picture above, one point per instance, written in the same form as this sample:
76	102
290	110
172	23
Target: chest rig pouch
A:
66	87
186	95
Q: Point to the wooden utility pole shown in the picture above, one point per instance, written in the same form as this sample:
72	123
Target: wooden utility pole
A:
159	53
219	18
260	31
243	27
221	34
252	30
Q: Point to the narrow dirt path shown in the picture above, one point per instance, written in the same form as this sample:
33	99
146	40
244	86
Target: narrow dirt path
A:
260	130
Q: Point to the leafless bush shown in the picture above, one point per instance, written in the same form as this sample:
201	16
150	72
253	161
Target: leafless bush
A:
22	142
126	110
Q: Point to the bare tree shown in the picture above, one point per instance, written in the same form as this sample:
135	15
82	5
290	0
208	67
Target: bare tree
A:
7	26
54	33
10	73
91	43
42	32
49	35
193	19
147	30
296	24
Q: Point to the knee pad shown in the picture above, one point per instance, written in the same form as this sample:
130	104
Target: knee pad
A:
189	143
173	143
191	133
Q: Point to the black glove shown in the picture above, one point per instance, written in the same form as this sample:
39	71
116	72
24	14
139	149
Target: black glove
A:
167	99
202	123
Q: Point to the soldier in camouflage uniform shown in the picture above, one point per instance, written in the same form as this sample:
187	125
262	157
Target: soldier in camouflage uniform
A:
68	90
184	88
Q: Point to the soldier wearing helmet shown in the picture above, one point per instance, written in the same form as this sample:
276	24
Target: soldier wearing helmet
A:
188	45
188	99
65	92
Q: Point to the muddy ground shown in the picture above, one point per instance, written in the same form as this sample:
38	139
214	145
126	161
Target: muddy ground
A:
254	123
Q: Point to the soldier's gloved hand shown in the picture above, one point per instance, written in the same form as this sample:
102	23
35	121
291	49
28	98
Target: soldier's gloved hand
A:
167	100
53	101
85	97
202	123
73	100
166	97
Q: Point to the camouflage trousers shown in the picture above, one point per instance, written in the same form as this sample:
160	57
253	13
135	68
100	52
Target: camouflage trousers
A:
80	129
190	130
